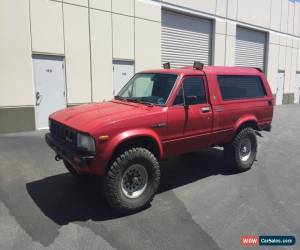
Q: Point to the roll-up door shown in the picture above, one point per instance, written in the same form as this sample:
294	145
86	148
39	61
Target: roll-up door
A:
185	39
250	48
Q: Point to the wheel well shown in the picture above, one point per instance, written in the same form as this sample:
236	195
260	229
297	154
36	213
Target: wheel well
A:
141	141
251	124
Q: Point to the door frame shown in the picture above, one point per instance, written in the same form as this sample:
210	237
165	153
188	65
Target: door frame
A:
298	73
38	55
280	71
132	61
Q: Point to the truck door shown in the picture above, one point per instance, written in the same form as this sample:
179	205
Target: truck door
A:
189	126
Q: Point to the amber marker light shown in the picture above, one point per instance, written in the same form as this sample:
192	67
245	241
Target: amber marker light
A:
103	138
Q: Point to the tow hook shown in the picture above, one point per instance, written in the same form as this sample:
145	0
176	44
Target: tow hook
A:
57	158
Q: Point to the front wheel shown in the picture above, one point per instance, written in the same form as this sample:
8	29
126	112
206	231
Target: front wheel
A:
132	180
240	153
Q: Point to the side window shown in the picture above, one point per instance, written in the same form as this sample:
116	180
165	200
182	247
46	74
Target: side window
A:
193	88
240	87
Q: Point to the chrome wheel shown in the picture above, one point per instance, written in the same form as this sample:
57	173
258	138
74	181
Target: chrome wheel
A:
134	181
245	149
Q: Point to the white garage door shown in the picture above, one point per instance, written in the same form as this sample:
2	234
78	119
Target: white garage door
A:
250	48
185	39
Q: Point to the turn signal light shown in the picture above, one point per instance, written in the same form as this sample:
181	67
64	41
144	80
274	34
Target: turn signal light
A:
103	138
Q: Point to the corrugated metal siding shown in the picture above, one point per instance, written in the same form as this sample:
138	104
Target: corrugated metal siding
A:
185	39
250	48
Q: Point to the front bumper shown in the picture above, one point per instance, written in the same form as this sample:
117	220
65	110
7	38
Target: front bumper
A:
68	153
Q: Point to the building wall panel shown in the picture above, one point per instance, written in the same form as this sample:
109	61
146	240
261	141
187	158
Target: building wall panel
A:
147	45
221	8
77	54
16	81
255	12
288	70
232	7
101	5
275	14
219	49
148	10
284	16
298	60
296	30
273	55
101	48
125	7
47	26
293	66
208	6
282	57
78	2
230	51
291	15
123	37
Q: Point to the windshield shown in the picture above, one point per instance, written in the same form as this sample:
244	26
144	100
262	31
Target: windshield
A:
151	88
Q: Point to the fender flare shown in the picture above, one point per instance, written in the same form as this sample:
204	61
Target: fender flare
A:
130	134
244	119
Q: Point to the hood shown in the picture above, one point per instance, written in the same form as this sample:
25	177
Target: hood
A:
83	117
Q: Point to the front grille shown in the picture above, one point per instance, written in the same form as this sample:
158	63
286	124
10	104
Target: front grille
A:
63	133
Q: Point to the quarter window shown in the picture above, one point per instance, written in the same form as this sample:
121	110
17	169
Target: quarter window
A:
240	87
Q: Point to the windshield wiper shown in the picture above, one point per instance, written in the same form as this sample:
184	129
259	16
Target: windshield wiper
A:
138	100
117	97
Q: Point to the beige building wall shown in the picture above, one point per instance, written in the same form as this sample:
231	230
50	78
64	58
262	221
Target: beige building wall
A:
101	5
47	27
147	45
77	44
16	82
101	55
123	37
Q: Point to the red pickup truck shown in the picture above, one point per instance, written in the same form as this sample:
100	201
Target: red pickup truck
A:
159	114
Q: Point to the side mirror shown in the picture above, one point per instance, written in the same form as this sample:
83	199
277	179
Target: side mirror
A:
189	100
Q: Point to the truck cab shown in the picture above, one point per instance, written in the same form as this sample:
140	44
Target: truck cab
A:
159	114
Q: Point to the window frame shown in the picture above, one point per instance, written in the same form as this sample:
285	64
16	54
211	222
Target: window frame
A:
241	99
181	88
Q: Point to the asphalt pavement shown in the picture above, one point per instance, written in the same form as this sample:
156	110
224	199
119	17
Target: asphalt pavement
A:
200	205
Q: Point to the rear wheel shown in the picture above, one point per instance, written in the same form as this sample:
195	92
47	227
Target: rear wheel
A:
132	180
241	152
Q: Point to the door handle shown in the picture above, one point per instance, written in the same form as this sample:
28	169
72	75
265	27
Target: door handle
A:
205	109
38	98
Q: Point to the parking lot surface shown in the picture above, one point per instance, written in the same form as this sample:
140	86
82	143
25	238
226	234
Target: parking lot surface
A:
201	204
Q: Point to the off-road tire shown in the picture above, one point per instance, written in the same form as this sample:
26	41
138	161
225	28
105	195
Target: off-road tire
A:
232	151
113	180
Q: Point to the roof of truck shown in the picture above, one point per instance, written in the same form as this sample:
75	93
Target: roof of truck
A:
207	70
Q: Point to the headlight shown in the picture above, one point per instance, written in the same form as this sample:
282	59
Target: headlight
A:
86	142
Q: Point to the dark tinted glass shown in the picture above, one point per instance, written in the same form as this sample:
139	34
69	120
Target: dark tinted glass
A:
240	87
193	87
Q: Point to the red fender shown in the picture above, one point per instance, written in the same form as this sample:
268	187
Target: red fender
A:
126	135
244	119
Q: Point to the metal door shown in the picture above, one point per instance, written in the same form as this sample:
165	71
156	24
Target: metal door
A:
297	90
50	94
280	86
185	39
250	48
123	71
